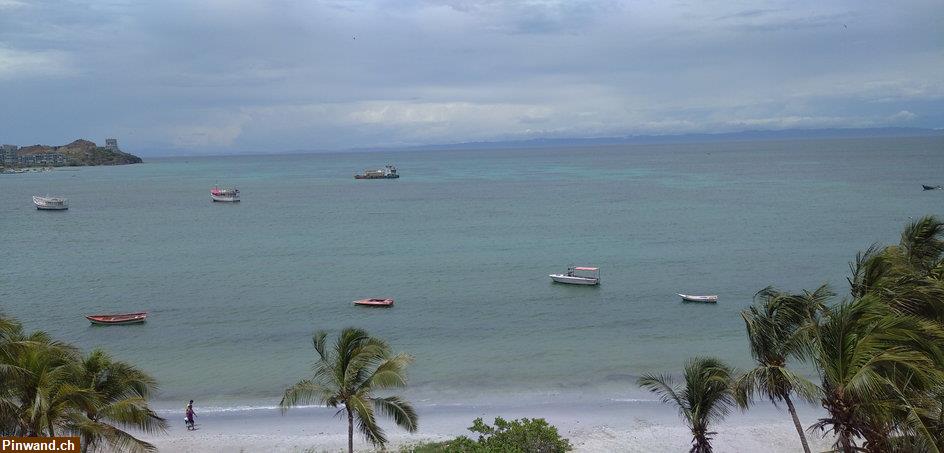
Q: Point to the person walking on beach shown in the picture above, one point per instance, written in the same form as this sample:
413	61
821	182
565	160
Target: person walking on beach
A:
190	415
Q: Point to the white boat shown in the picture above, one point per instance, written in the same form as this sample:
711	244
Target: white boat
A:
224	195
706	299
590	276
50	203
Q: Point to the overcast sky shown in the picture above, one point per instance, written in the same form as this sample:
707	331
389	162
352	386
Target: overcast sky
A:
189	76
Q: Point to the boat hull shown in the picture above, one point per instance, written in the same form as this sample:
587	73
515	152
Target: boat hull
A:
702	299
374	302
118	319
221	199
50	203
376	177
574	280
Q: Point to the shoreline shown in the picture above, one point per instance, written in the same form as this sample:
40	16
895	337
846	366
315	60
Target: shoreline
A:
631	426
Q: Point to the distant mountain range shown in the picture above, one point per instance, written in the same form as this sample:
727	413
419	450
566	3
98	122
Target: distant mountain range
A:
789	134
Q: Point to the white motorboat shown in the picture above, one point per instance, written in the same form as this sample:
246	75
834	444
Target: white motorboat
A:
578	276
50	203
705	299
224	195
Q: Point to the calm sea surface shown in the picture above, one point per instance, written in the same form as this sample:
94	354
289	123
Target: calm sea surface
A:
464	242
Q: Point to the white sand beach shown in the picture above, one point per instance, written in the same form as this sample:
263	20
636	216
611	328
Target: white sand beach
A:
606	427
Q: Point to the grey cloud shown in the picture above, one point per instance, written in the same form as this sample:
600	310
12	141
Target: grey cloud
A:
245	75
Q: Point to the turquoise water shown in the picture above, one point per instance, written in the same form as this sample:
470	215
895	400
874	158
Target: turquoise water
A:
463	241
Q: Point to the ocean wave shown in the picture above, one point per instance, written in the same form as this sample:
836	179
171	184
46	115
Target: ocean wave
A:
239	408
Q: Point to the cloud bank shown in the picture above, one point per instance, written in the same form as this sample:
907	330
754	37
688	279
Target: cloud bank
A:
249	76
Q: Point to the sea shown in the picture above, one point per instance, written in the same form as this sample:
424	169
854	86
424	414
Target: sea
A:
464	242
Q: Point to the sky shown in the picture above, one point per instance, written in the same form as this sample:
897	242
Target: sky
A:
234	76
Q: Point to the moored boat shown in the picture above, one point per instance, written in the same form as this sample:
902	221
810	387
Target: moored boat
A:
224	195
577	275
374	302
388	172
118	319
705	299
48	203
931	187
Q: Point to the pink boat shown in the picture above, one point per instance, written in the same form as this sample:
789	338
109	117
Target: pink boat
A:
374	302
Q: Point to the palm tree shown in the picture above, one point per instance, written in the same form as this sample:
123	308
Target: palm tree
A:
41	393
776	331
705	398
121	392
49	389
878	368
348	375
922	243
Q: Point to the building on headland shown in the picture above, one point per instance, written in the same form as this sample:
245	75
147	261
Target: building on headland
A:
43	159
111	144
8	155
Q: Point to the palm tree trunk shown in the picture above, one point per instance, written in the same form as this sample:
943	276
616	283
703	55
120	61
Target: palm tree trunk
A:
796	422
350	430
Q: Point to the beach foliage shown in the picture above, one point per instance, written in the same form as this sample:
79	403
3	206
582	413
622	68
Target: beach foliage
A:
777	332
525	435
48	388
347	374
879	354
705	398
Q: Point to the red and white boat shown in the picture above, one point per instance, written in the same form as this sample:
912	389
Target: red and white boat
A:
224	195
118	319
374	302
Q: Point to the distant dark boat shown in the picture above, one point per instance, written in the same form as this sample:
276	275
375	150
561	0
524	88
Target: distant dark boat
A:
931	187
124	318
388	172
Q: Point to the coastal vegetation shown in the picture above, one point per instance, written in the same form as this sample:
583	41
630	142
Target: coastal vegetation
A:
516	436
48	388
777	333
706	397
346	374
878	354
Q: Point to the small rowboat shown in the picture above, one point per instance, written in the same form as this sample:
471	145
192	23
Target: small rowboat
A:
931	187
118	319
374	302
707	299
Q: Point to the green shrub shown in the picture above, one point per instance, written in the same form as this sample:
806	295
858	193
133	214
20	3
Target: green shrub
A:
517	436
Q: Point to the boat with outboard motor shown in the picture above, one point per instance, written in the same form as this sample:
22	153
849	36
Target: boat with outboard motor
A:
578	275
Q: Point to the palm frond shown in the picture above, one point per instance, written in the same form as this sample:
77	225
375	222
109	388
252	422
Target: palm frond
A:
401	411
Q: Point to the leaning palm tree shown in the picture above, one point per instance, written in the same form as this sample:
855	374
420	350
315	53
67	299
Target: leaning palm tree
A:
348	375
120	399
878	367
705	398
776	331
